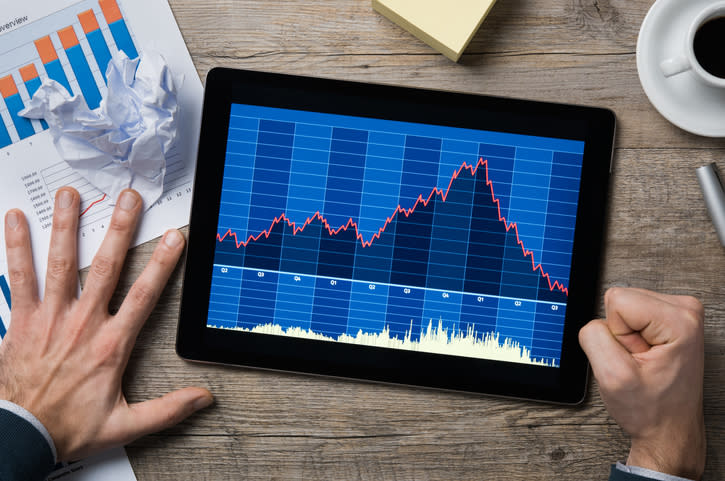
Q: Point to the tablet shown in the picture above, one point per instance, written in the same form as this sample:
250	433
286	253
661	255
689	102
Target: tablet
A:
396	235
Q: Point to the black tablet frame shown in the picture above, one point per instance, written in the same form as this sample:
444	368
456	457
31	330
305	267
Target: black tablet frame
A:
565	384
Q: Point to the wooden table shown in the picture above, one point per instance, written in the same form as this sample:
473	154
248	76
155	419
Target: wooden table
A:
284	426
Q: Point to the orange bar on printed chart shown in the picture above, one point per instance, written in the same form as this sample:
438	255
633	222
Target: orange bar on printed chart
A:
46	50
119	29
29	72
88	21
68	37
31	79
110	10
8	87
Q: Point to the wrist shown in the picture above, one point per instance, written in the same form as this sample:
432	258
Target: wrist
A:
670	457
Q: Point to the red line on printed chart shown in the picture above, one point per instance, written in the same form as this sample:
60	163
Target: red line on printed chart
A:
97	201
400	210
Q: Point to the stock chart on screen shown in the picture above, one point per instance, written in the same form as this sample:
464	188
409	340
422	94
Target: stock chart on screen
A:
394	234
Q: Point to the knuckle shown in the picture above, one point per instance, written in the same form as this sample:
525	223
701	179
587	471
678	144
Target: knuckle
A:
170	417
619	381
612	295
694	313
695	306
63	222
107	351
20	278
103	266
142	294
59	267
163	258
118	224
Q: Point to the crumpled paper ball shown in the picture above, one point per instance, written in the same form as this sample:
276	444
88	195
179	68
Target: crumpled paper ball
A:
122	144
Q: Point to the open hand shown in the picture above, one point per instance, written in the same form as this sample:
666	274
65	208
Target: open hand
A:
63	357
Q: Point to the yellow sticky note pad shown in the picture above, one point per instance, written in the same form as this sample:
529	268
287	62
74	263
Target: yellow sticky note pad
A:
446	25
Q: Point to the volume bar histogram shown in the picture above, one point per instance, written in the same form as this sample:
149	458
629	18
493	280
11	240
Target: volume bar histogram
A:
395	234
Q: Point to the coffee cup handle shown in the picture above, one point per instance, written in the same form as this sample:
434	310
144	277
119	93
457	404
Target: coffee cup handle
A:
673	66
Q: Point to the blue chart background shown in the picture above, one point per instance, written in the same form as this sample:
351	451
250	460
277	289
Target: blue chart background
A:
452	261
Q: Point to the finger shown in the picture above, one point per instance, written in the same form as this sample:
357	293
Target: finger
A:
145	292
610	361
151	416
684	301
632	313
23	284
62	276
106	266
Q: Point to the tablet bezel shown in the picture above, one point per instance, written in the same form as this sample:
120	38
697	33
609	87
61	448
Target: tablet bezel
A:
564	384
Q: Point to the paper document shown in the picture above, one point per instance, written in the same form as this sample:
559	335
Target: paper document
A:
72	42
110	465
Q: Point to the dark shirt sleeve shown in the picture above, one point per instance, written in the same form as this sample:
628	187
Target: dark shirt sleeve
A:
619	475
24	452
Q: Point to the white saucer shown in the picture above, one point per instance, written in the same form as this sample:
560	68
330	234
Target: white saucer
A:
682	99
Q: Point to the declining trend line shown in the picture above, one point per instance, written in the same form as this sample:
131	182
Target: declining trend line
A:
556	285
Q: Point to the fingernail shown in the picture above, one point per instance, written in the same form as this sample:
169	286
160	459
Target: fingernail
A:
202	402
64	200
128	201
12	219
173	238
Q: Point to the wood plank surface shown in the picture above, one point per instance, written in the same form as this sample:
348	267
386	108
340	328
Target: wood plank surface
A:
284	426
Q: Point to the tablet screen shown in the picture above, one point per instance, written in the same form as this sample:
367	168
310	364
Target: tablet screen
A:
395	234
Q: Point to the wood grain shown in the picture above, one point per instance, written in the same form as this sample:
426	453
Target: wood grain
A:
284	426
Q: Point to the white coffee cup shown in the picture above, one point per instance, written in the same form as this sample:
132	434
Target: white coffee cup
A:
686	60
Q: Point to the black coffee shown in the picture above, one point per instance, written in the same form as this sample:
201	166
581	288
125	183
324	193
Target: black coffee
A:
709	46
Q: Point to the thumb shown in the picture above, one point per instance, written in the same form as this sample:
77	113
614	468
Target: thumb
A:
157	414
610	361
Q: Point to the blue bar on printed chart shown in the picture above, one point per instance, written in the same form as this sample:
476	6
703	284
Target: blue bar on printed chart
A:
32	82
51	62
9	91
4	135
96	40
5	289
118	27
79	63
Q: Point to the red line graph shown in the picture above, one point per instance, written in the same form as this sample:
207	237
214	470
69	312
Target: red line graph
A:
97	201
406	212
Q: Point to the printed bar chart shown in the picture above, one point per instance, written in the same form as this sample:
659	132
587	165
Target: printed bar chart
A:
9	92
30	77
5	139
51	62
5	288
118	27
4	306
75	54
82	71
95	39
